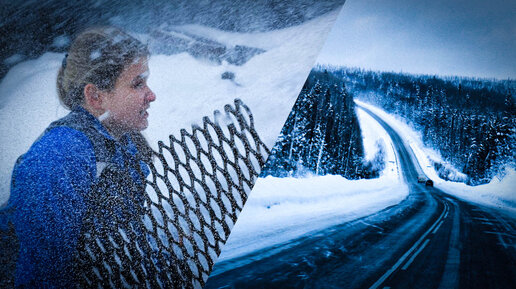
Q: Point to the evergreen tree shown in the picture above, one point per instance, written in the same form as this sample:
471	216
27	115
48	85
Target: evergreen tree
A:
320	133
471	121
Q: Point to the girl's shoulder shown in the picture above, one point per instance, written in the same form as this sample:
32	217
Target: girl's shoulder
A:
61	142
59	166
59	152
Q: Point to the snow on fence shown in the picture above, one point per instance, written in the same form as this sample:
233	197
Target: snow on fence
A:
198	184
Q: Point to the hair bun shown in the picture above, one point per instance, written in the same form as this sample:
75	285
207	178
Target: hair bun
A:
64	61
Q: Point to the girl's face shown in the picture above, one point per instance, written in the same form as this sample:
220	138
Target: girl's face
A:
129	100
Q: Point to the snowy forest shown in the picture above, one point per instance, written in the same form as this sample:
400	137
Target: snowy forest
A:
470	121
322	134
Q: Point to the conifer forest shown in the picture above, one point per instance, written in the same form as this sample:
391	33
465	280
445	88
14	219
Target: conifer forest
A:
471	122
322	134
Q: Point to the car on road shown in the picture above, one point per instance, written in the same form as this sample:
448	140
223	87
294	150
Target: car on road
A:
422	179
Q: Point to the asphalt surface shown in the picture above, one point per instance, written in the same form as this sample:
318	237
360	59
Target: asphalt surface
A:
429	240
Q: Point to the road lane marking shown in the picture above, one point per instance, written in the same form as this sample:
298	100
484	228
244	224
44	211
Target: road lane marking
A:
438	226
415	255
405	256
450	277
398	167
500	233
371	225
506	225
446	208
481	219
502	241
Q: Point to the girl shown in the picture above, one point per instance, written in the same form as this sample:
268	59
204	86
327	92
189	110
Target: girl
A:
103	81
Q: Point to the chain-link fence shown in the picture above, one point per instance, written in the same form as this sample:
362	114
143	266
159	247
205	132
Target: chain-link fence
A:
198	184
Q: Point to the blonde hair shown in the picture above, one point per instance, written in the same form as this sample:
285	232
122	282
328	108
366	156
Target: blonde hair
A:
97	56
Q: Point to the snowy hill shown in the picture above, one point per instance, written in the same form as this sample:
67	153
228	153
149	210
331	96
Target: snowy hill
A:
187	88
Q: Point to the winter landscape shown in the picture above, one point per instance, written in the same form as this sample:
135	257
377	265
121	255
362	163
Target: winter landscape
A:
202	58
189	81
385	179
304	193
377	178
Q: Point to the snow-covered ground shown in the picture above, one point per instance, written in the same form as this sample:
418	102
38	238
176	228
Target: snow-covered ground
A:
186	88
282	209
499	193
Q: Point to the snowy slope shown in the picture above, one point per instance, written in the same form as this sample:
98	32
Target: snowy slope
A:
499	193
282	209
186	88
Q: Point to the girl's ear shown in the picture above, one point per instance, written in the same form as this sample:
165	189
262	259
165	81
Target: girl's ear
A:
92	98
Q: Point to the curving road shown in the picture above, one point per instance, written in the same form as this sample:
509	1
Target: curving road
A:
429	240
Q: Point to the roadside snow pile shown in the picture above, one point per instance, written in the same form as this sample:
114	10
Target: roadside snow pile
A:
282	209
499	193
448	172
373	137
186	88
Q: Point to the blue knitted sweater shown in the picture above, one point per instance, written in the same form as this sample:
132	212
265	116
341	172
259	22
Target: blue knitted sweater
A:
48	190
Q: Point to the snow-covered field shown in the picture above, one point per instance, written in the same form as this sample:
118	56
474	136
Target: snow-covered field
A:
282	209
499	193
186	88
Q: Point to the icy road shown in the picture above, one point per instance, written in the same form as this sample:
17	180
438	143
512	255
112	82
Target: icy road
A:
429	240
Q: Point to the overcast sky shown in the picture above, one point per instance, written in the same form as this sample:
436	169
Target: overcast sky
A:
445	37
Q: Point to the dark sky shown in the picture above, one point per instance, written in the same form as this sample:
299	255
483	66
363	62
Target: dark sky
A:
454	37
